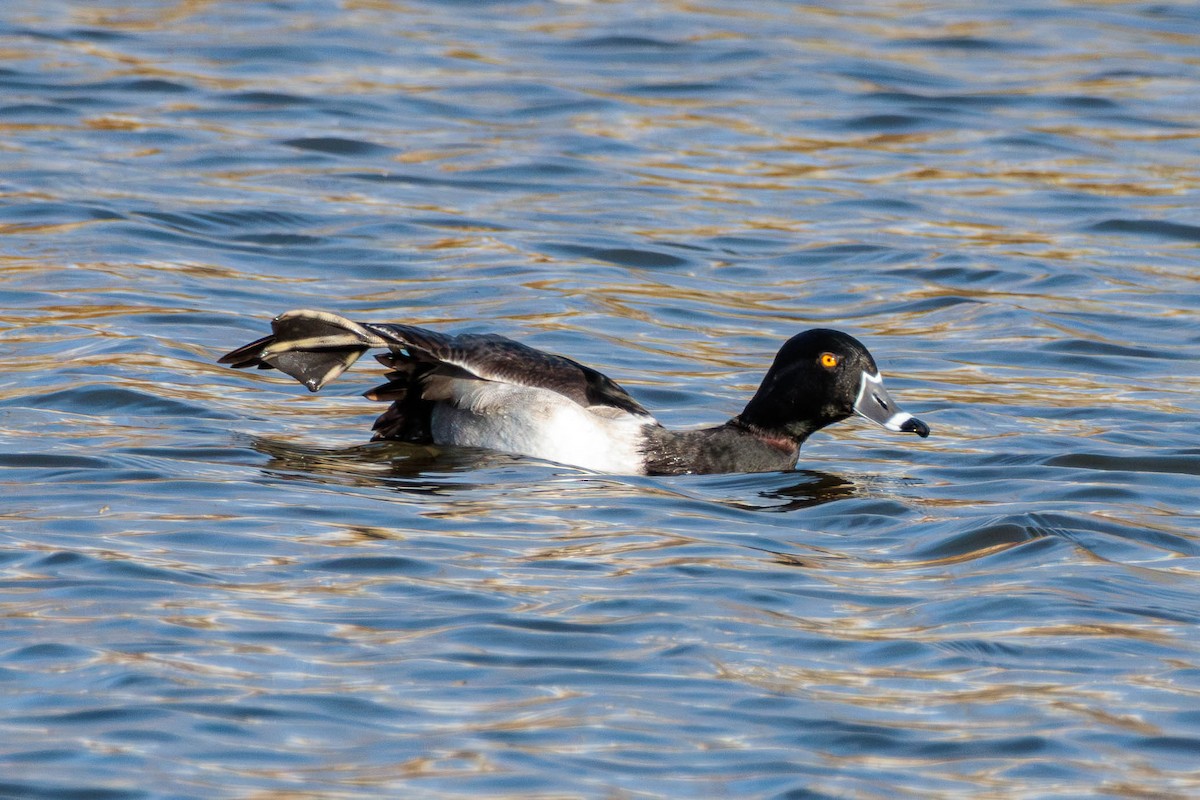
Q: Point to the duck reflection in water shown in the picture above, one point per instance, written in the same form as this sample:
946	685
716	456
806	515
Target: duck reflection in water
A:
429	471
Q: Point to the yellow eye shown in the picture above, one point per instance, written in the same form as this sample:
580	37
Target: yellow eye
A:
828	360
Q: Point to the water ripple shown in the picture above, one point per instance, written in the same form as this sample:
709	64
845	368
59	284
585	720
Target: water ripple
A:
214	579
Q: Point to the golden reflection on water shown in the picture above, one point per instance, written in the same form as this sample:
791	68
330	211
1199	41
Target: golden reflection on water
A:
777	183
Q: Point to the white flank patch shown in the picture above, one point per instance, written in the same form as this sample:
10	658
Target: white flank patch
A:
539	423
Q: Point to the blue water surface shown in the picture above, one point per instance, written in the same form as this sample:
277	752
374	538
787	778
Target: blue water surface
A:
212	585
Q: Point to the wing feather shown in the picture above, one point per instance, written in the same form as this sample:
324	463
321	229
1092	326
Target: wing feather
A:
492	357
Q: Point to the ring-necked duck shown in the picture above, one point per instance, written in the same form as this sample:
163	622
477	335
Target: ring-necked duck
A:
489	391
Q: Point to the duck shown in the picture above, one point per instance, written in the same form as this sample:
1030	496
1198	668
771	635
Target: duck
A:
489	391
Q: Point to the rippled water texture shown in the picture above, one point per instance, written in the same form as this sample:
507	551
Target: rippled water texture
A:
211	585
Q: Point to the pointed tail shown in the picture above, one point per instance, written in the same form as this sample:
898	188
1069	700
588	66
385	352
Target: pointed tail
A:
314	347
